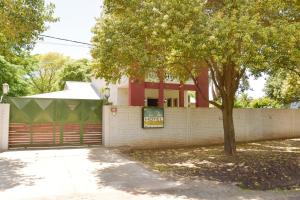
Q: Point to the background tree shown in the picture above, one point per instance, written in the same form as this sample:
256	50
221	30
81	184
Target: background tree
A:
283	86
44	75
13	75
265	102
243	101
21	22
227	37
78	70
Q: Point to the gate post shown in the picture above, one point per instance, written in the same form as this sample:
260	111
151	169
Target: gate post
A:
4	126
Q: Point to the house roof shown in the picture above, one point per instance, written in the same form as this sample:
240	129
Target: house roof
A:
73	90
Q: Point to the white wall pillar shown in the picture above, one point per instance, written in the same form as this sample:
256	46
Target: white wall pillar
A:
106	112
4	125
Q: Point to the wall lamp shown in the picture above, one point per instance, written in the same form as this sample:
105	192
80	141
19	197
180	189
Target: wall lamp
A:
5	90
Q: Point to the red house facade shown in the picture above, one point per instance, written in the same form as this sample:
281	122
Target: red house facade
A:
136	91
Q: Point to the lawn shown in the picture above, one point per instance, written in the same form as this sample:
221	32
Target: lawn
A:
257	165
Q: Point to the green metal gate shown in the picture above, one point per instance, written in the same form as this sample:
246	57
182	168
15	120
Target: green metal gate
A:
52	122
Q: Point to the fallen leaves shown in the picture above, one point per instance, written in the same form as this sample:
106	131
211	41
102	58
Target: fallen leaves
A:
259	165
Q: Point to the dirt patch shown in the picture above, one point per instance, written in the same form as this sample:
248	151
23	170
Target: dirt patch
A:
258	165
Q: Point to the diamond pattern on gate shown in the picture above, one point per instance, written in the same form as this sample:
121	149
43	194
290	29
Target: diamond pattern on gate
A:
25	110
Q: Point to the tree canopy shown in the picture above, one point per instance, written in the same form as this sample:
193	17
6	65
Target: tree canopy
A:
227	37
78	70
283	86
21	22
44	74
13	75
49	72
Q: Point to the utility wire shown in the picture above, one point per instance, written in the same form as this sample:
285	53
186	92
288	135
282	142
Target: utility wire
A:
63	44
63	39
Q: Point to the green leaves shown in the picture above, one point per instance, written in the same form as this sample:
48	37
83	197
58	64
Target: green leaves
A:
51	71
283	86
21	22
79	70
13	75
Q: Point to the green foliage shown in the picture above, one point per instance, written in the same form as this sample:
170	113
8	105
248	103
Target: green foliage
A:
14	76
49	72
21	22
243	101
265	102
44	75
283	86
142	37
78	70
181	38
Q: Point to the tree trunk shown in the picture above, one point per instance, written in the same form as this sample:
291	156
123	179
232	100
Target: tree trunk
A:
229	133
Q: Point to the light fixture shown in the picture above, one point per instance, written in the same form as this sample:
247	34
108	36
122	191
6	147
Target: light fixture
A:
5	88
106	93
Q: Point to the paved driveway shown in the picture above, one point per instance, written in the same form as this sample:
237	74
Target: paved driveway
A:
100	173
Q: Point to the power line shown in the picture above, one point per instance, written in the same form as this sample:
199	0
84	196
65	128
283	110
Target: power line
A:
62	44
63	39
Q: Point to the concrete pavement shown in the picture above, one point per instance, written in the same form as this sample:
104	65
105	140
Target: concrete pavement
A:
100	173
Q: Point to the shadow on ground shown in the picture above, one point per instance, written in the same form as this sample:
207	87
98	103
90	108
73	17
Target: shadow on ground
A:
11	174
120	173
259	165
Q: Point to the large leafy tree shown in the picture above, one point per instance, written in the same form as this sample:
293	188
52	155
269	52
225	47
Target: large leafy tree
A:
78	70
13	75
283	86
21	22
44	75
49	72
181	38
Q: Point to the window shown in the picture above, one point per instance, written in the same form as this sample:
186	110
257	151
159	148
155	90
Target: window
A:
152	102
175	102
169	102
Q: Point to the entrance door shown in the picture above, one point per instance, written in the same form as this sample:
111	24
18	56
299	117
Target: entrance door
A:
152	102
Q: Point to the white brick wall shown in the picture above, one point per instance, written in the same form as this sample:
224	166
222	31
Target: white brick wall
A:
4	124
196	126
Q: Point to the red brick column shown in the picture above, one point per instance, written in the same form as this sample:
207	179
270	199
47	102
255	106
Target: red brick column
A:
203	84
161	95
181	95
136	93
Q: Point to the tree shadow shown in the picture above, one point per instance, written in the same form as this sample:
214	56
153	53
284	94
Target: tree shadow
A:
120	173
11	174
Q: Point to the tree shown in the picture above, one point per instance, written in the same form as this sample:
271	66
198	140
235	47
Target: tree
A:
243	101
21	22
227	37
12	74
264	102
44	75
283	86
78	70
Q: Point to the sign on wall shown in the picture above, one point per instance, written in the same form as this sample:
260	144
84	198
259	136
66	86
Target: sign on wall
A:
153	117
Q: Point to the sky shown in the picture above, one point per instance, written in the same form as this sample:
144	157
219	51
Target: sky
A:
77	17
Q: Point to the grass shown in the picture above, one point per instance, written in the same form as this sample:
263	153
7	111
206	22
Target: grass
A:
258	165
